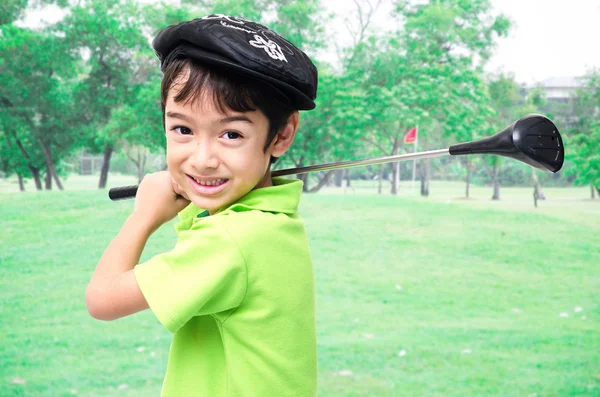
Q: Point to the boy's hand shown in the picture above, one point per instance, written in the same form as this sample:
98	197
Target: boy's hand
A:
159	199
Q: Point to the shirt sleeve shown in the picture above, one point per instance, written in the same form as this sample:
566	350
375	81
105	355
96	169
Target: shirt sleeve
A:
205	273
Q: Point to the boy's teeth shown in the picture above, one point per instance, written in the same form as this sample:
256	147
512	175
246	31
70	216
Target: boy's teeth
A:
210	183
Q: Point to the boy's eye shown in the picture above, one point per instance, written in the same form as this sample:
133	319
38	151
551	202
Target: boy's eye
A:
182	130
232	135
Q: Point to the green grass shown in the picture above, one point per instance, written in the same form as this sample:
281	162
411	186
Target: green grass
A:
471	291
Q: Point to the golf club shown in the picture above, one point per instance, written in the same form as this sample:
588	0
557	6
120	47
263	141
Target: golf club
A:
532	139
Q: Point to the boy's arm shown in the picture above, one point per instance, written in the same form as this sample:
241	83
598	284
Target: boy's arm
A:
113	291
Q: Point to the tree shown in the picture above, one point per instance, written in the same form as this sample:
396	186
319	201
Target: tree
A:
106	37
416	74
470	119
13	10
326	133
509	105
35	102
584	142
137	126
253	10
455	38
506	100
17	102
15	155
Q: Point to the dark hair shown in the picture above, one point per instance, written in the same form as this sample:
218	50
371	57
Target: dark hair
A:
228	91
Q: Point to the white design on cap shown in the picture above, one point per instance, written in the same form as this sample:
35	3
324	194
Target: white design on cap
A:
270	47
237	20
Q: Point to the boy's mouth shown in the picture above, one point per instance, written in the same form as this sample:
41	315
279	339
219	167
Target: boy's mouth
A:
208	186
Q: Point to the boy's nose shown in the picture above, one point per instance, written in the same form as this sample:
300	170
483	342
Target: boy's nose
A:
204	157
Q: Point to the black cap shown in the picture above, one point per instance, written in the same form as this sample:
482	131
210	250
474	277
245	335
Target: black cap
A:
242	47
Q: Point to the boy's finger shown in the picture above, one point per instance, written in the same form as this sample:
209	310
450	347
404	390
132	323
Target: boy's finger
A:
177	189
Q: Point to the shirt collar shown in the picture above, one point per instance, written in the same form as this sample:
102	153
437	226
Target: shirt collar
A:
283	196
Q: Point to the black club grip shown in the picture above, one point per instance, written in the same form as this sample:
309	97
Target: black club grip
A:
122	193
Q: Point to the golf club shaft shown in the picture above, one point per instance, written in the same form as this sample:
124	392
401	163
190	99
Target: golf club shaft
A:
533	139
127	192
357	163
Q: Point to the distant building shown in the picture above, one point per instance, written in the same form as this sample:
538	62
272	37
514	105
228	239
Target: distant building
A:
90	164
560	89
560	93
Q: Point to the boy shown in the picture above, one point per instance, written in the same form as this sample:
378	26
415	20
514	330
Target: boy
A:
237	290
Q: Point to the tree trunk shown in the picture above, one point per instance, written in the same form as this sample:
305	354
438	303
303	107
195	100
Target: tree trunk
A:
322	182
105	166
347	178
592	189
468	177
48	180
19	176
493	173
35	173
21	184
140	162
380	179
425	174
496	195
304	179
537	187
50	169
339	177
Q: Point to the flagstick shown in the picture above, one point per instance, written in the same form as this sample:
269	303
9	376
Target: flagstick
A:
412	188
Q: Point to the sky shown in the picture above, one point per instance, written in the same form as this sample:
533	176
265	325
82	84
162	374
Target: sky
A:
549	38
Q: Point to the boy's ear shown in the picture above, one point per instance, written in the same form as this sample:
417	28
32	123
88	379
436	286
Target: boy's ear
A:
285	137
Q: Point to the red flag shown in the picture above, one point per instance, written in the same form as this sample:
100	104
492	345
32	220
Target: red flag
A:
411	136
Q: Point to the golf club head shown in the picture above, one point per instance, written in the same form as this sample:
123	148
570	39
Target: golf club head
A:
532	139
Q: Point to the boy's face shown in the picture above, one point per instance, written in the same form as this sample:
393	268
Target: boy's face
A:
216	158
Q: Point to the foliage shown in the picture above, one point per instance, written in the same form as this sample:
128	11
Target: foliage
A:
92	82
424	74
36	103
584	142
106	39
12	10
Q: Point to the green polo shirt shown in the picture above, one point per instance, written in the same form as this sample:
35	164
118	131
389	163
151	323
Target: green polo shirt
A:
237	291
